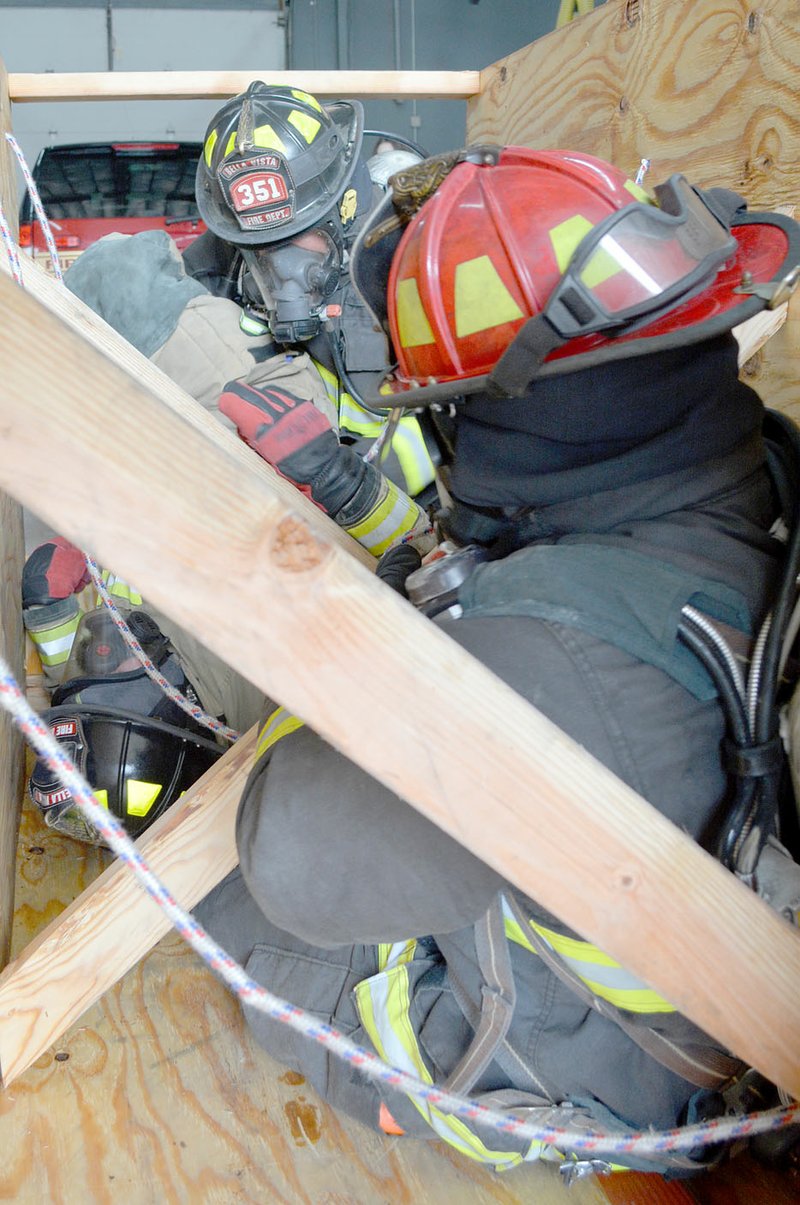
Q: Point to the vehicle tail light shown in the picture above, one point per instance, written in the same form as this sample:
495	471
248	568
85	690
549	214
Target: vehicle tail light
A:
144	147
63	242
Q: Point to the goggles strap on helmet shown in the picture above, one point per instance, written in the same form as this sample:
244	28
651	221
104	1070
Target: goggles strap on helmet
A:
519	363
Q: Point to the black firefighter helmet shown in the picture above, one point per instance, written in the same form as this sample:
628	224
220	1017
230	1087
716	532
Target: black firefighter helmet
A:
136	748
276	162
281	179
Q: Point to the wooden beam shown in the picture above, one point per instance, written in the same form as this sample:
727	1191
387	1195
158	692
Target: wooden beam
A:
8	163
60	975
204	85
80	318
92	943
227	558
12	645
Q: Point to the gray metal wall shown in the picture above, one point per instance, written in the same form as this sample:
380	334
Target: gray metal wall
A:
258	35
132	37
425	35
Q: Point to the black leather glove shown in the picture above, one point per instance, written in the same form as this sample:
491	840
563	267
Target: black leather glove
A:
396	565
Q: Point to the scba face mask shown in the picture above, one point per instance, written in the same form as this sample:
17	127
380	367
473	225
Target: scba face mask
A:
293	281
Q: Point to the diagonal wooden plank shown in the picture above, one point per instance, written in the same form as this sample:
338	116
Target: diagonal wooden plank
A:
308	625
80	318
92	943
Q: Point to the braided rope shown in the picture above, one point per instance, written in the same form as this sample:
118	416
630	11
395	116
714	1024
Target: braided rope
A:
192	709
37	205
641	1143
11	249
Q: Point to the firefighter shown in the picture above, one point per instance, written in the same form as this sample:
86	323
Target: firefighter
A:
609	471
264	296
138	749
267	306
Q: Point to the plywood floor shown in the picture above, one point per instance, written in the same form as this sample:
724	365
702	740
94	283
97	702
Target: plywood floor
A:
159	1095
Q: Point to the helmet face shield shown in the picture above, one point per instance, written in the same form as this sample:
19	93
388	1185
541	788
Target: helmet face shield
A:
294	279
638	261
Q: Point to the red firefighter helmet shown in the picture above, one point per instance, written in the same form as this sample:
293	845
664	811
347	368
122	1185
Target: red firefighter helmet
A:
523	263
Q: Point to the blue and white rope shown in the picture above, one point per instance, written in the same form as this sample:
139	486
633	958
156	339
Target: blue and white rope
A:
37	205
11	249
152	671
649	1143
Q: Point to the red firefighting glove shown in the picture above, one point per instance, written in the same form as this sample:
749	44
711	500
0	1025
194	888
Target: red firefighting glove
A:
53	570
296	439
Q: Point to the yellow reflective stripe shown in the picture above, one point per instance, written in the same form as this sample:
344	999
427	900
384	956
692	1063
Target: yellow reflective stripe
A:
119	588
266	138
331	382
55	644
140	796
603	975
565	238
384	1008
638	192
393	515
305	124
251	326
411	451
395	953
208	149
101	797
514	932
601	265
281	723
354	417
306	98
414	329
482	300
572	8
